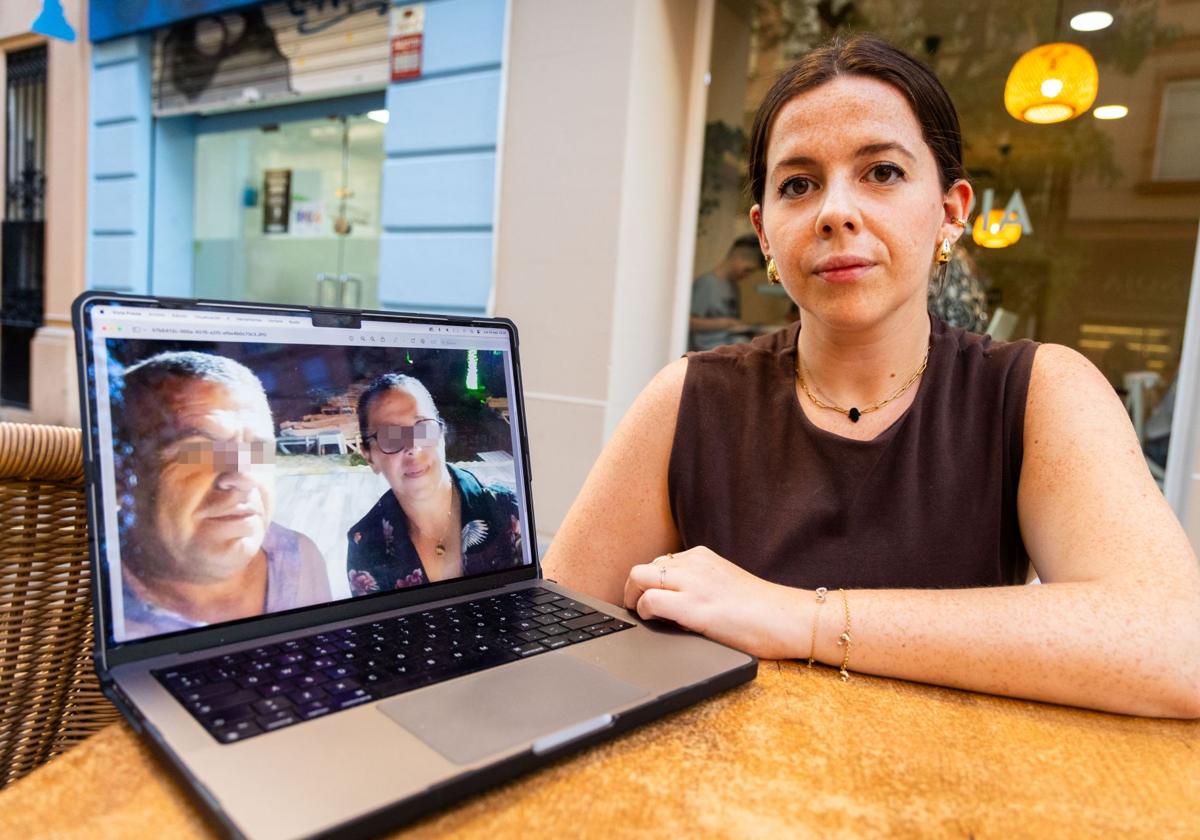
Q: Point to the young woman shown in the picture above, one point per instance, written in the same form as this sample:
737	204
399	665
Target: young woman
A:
868	487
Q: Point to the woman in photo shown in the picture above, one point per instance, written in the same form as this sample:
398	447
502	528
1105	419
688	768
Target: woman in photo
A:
435	522
869	487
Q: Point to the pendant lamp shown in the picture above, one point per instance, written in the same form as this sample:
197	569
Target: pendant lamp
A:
1052	83
999	232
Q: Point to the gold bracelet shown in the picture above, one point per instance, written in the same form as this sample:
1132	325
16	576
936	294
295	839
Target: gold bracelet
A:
812	647
844	639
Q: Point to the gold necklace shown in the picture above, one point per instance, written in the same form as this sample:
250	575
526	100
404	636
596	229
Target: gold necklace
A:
440	548
852	412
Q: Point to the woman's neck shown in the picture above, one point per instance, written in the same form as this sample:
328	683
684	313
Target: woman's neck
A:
429	516
862	367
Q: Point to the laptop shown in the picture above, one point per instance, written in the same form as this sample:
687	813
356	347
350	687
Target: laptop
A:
318	592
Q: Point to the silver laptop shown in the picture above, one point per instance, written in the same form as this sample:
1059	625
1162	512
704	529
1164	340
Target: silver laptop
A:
317	585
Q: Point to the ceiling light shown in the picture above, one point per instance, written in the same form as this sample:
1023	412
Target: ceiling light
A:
998	232
1110	112
380	116
1051	83
1091	21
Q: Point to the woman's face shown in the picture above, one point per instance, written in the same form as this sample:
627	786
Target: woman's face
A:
853	210
415	471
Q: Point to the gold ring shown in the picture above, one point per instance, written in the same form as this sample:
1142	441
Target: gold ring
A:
662	577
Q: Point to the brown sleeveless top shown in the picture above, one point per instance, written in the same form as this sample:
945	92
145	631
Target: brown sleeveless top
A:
931	502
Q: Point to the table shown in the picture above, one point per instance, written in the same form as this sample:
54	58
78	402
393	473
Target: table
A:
795	753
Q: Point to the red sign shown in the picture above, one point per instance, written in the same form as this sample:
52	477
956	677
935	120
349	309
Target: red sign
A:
408	35
406	57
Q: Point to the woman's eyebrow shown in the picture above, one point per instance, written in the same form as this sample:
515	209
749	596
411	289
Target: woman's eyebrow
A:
877	148
861	151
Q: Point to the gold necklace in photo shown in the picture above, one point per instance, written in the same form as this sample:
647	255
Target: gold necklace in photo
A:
854	413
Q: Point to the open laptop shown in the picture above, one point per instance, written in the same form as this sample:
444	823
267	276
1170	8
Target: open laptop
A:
306	657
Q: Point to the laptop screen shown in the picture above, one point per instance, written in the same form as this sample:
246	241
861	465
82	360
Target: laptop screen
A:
252	463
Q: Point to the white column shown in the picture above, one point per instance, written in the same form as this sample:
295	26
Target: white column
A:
602	125
1182	483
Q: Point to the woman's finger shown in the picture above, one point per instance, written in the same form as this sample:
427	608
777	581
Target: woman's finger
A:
664	604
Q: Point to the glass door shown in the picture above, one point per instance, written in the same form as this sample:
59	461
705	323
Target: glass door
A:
290	212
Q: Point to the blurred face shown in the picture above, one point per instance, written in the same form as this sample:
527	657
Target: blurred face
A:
212	499
415	461
853	210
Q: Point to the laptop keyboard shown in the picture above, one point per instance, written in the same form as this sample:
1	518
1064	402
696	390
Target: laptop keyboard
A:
239	695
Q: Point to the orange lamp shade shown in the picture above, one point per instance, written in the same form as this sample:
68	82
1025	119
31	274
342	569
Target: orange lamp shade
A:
1052	83
997	232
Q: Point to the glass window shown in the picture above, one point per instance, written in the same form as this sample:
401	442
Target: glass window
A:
1108	207
289	213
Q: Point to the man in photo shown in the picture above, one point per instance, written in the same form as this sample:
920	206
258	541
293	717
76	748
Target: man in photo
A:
195	447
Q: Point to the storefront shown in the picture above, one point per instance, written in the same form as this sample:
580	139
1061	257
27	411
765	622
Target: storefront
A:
329	152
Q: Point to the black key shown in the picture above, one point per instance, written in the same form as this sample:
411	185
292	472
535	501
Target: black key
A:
576	636
218	674
311	680
236	732
545	598
554	629
341	686
531	636
527	614
306	695
585	621
229	660
555	642
323	662
605	628
223	701
274	689
322	650
274	704
292	658
315	709
350	698
264	651
530	649
565	614
547	619
339	672
203	692
181	682
525	625
287	672
252	680
278	720
227	718
293	644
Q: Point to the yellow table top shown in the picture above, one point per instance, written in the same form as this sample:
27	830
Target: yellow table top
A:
794	753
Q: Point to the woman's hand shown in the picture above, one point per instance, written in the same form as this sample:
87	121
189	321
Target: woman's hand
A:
703	592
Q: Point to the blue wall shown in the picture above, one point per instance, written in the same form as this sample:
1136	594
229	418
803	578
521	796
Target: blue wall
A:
438	179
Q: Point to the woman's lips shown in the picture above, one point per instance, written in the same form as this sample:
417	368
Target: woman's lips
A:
416	473
845	274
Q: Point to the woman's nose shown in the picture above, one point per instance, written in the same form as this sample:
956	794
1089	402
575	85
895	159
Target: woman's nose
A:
838	210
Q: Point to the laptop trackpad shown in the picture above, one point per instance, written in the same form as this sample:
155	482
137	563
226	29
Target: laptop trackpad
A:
468	719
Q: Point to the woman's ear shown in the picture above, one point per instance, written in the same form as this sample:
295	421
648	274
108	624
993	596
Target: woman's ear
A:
954	206
756	220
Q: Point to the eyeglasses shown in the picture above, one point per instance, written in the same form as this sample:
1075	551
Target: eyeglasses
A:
424	434
225	454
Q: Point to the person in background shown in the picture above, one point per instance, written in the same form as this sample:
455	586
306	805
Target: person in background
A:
716	302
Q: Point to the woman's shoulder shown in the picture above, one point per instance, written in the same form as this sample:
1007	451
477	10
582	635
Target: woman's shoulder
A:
979	355
371	520
764	349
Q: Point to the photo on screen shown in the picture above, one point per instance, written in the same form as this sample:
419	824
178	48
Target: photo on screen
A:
255	477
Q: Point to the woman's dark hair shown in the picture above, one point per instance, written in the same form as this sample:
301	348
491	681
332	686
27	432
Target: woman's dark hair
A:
864	55
392	382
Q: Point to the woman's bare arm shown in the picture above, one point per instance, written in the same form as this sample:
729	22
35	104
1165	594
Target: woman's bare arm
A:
622	516
1115	624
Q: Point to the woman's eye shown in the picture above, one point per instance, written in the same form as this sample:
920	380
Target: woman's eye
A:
794	187
885	173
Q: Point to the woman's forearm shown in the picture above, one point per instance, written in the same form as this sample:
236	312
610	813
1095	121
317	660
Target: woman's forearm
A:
1127	648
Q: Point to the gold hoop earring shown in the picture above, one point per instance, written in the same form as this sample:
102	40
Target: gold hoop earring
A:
943	253
773	273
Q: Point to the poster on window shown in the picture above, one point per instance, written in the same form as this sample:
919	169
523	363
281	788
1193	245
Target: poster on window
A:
277	200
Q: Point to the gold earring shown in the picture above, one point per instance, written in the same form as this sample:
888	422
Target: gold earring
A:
773	273
943	254
959	223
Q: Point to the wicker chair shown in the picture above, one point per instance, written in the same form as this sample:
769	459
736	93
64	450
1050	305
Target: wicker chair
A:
49	696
